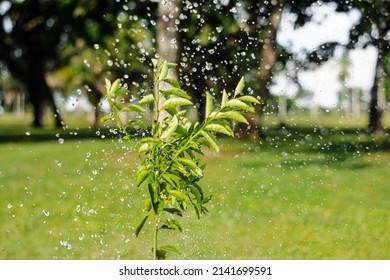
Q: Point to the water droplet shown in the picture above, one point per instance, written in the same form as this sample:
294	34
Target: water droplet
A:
66	244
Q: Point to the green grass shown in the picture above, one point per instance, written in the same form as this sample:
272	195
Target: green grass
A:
301	193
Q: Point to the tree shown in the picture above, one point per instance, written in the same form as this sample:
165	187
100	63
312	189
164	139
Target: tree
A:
34	32
223	39
372	29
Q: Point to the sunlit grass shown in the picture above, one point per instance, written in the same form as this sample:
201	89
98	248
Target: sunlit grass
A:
297	194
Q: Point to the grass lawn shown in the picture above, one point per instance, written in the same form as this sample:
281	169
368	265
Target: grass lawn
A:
300	193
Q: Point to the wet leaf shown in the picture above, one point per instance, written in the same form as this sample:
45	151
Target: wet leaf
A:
171	224
140	225
174	211
163	72
218	128
107	84
154	62
171	179
171	127
178	194
249	99
240	87
148	204
210	140
144	148
225	98
141	175
134	108
238	104
233	115
172	82
176	101
115	86
147	99
175	91
209	104
159	207
107	118
170	248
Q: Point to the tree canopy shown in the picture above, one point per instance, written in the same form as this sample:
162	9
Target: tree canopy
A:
216	43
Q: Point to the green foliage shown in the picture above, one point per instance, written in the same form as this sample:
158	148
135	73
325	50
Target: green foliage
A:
169	165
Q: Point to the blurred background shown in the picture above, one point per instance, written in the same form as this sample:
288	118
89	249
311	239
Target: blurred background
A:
311	58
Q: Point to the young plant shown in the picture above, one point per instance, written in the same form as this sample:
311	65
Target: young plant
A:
168	151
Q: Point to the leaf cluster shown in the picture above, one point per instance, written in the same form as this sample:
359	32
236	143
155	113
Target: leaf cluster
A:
169	153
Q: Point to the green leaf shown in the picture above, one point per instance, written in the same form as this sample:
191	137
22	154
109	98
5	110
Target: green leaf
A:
171	65
106	118
175	91
149	140
148	204
107	84
114	86
176	101
141	175
225	98
154	62
134	108
121	91
161	254
206	199
249	99
218	128
174	211
153	193
240	87
233	115
140	225
145	148
238	104
196	190
210	139
209	104
136	124
178	194
159	207
171	224
171	179
170	248
188	162
171	127
172	82
147	99
163	72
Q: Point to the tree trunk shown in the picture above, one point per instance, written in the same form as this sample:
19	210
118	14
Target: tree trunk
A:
377	95
40	95
168	38
265	72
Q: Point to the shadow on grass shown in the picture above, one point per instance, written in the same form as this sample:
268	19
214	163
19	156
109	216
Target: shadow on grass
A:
47	134
301	146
